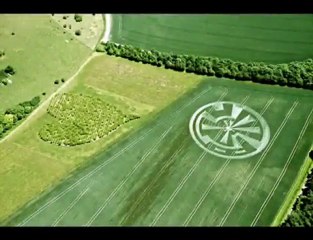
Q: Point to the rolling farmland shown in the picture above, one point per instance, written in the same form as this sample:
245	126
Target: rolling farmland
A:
159	175
39	54
269	38
130	144
30	166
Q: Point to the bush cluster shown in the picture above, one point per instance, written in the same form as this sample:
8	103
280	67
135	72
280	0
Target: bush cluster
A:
11	116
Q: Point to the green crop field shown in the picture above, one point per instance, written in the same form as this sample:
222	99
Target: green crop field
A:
40	53
273	38
30	166
127	143
169	173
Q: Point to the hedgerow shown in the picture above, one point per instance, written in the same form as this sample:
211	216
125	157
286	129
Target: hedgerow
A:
13	115
294	74
81	119
302	211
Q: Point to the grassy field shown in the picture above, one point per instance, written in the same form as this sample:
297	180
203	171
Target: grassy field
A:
158	175
29	166
91	27
269	38
40	52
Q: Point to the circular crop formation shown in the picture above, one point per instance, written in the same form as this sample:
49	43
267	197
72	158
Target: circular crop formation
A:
81	119
229	130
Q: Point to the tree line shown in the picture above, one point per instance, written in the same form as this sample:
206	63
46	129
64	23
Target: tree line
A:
11	116
302	211
293	74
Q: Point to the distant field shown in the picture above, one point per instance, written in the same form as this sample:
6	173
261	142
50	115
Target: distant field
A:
29	166
160	176
40	52
273	38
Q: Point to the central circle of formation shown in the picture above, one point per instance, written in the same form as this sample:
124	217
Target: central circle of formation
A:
229	130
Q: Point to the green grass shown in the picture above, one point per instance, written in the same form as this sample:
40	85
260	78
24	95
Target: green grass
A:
30	166
158	174
273	38
92	27
39	53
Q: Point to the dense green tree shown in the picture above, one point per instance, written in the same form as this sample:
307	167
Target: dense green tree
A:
9	70
78	17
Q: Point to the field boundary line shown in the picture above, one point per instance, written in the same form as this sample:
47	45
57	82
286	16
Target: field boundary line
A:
18	145
108	27
99	167
122	183
151	184
195	99
73	203
186	177
256	166
281	175
217	176
294	192
45	103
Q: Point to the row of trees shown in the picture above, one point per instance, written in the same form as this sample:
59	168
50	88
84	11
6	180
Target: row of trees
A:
12	115
295	74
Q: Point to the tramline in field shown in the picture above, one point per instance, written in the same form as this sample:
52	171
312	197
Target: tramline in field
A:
173	171
143	124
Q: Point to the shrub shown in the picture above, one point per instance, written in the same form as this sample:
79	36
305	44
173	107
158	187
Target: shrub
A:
62	80
100	48
78	18
77	32
13	33
16	113
5	81
56	82
43	94
35	101
2	53
9	70
64	26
